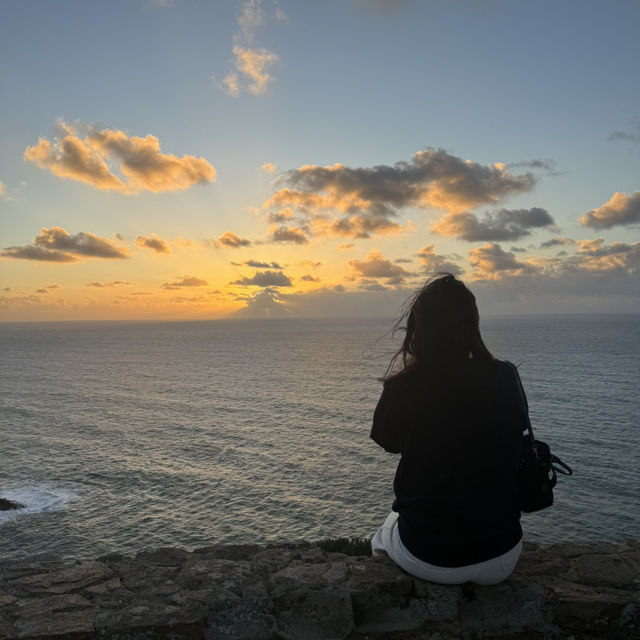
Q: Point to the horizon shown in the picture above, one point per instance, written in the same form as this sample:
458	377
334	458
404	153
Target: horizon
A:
266	158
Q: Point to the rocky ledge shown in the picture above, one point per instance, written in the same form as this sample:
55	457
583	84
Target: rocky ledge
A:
297	591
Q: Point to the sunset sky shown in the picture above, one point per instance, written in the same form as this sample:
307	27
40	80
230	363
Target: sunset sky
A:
207	158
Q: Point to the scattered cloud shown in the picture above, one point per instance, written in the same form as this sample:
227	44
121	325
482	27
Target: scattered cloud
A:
346	247
557	242
265	279
267	167
257	264
114	283
267	303
434	263
251	63
231	240
491	262
142	165
503	224
365	200
309	278
278	217
628	136
58	245
288	235
375	265
185	281
155	243
621	209
592	259
3	188
251	18
547	166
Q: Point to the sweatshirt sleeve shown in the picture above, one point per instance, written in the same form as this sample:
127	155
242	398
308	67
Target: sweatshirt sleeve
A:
385	430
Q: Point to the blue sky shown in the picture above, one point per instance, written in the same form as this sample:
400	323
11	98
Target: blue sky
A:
541	99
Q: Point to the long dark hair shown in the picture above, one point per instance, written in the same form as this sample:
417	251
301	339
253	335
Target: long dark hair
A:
442	329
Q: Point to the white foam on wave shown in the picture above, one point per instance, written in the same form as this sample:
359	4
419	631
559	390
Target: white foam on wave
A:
36	499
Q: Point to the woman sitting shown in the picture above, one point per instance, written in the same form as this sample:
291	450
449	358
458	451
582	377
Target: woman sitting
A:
455	415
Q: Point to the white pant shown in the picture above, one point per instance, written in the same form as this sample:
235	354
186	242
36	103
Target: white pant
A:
387	538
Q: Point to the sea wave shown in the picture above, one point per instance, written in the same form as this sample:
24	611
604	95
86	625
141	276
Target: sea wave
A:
36	499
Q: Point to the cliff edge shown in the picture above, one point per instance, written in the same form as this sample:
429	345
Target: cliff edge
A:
297	591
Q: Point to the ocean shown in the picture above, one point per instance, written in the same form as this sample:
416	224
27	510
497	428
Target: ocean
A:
130	436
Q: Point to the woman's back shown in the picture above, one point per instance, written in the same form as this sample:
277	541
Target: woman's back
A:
460	439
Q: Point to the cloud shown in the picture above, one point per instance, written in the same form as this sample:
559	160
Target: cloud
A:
155	243
628	136
185	281
258	265
58	245
278	217
114	283
289	235
264	304
309	278
267	167
621	209
557	242
574	272
366	199
434	263
346	247
3	188
251	18
503	224
231	240
253	65
142	165
265	279
545	165
375	265
491	262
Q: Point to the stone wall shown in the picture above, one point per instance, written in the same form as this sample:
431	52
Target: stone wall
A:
298	591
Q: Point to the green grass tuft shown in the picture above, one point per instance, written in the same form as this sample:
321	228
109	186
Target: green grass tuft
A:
349	546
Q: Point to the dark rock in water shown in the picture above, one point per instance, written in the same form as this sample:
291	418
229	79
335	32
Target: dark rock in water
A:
5	505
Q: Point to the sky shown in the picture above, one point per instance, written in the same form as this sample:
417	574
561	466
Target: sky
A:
192	159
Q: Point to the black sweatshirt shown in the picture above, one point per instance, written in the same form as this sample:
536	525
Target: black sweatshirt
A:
460	439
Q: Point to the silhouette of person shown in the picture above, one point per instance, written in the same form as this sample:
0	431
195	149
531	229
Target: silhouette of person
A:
454	414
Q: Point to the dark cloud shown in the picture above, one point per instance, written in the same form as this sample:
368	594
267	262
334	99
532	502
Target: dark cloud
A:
556	242
544	165
434	263
231	240
367	198
309	278
155	243
58	245
258	265
264	304
265	279
503	224
185	281
622	209
289	235
375	265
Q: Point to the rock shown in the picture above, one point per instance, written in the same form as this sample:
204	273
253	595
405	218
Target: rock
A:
297	591
5	504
